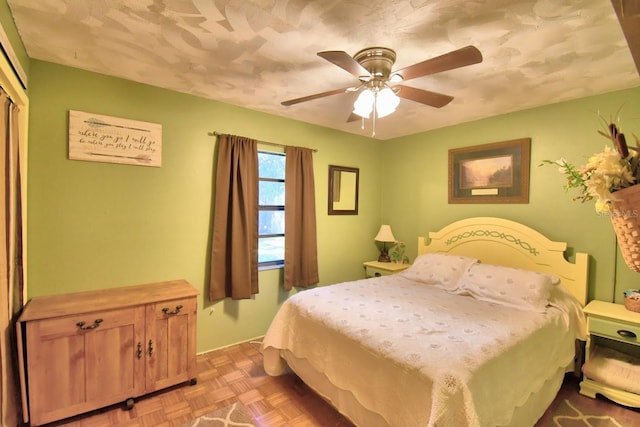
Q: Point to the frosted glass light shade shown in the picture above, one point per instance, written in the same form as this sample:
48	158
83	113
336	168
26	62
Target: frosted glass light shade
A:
364	104
386	102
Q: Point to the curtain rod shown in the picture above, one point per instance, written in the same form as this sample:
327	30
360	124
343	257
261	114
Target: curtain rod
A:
216	133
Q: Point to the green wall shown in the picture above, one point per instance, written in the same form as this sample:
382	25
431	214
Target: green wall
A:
93	225
414	191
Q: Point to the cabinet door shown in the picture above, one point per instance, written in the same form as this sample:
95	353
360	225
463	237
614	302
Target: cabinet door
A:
171	343
77	363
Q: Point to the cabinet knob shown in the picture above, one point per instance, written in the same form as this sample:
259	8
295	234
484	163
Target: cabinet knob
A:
150	348
626	334
139	352
94	325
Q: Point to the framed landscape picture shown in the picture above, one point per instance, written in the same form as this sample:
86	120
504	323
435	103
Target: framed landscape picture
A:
490	173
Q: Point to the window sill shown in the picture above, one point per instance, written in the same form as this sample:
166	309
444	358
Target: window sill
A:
270	267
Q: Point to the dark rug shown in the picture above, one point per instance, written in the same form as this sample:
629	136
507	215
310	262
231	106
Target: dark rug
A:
234	415
572	409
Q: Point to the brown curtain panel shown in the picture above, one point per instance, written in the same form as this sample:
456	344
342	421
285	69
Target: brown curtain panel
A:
300	240
234	255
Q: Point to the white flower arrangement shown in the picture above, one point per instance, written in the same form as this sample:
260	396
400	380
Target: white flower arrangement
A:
606	172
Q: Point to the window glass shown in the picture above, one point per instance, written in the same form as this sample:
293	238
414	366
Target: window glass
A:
271	222
271	165
270	249
271	170
271	193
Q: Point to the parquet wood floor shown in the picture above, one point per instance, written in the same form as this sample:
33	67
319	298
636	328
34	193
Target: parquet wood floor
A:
225	376
235	374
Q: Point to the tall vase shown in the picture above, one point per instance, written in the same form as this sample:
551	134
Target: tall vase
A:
625	217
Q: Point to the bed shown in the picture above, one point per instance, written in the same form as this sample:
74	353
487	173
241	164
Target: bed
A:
479	331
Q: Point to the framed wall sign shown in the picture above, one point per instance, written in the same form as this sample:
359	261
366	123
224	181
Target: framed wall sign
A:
99	138
490	173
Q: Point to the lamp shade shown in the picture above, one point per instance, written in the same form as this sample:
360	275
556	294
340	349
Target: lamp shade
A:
385	234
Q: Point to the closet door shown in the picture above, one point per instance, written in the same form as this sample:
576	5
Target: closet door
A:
171	343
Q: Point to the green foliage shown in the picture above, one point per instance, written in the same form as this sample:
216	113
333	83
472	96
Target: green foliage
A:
397	253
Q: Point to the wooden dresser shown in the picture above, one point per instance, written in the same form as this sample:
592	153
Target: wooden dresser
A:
87	350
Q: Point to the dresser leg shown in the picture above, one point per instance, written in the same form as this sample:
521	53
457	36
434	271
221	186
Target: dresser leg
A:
587	390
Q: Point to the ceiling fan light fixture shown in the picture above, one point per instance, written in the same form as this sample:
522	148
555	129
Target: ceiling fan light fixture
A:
386	102
364	104
395	78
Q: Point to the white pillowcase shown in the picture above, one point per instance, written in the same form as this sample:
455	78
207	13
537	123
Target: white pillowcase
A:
528	290
439	269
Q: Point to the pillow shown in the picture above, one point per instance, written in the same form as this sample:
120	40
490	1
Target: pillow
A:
439	269
528	290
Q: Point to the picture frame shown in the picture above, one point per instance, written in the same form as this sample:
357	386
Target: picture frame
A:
490	173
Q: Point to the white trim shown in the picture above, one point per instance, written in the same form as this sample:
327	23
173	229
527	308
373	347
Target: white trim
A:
12	59
10	82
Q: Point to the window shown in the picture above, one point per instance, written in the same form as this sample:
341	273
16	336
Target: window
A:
271	169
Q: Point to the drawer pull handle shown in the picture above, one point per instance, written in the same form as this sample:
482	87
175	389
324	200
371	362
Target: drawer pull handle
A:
150	348
170	313
139	352
95	324
626	334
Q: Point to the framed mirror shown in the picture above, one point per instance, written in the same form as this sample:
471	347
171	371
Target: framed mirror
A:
343	190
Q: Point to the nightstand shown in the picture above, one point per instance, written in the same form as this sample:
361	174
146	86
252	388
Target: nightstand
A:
377	269
615	330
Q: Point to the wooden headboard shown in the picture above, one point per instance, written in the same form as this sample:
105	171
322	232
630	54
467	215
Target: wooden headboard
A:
503	242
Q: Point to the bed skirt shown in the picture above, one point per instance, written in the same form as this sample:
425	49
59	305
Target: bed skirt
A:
346	403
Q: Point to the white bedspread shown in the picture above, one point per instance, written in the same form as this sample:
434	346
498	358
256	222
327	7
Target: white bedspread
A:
423	356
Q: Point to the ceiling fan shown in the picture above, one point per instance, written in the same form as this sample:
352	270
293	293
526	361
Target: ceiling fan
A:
380	87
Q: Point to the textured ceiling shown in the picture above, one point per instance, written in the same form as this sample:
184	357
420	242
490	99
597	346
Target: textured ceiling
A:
257	53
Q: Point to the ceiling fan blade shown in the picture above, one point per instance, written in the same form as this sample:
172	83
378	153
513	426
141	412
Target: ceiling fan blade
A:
345	61
455	59
314	96
353	117
433	99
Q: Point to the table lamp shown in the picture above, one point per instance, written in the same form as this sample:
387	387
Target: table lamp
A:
384	235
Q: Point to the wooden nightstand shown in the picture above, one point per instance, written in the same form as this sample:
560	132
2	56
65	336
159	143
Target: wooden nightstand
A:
377	269
611	326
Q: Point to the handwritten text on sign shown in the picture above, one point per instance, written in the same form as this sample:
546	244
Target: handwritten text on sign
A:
109	139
